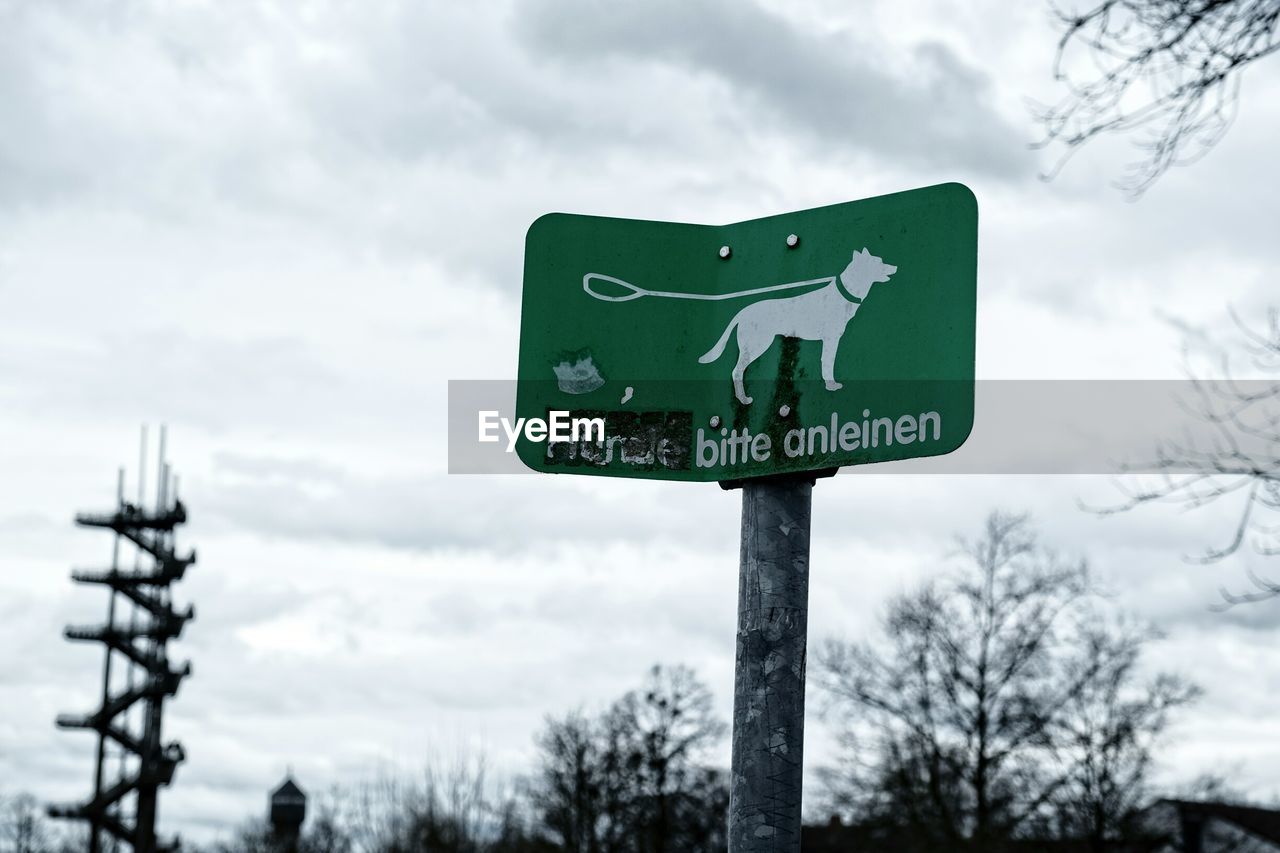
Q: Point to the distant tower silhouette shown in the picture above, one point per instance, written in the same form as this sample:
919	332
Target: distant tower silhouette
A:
288	809
126	808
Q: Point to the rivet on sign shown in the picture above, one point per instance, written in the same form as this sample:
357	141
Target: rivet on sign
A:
715	421
784	411
725	252
792	241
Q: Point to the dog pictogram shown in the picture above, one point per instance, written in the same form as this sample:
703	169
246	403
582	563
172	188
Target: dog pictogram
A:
821	314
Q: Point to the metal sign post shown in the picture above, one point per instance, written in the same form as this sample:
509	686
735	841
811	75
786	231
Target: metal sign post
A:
768	691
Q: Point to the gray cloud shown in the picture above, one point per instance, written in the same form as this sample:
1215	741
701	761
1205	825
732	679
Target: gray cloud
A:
923	103
306	500
193	379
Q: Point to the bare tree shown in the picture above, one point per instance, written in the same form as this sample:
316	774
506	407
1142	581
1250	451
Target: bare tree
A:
1236	462
578	787
667	727
996	699
325	832
252	837
22	826
637	779
452	808
1167	69
1105	735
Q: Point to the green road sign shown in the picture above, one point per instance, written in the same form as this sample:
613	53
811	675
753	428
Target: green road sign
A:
836	336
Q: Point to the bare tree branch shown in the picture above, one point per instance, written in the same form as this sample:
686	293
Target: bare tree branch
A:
1166	70
1239	462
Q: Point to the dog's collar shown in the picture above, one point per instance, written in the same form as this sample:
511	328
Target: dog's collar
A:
856	300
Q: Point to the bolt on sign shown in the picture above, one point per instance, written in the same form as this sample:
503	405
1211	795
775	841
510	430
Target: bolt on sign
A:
841	335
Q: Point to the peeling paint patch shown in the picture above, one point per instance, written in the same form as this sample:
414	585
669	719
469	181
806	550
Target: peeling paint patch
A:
579	377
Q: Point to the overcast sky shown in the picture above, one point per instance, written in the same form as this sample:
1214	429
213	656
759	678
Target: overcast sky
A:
280	229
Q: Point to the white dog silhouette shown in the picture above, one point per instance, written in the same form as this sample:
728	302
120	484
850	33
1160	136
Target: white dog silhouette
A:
819	315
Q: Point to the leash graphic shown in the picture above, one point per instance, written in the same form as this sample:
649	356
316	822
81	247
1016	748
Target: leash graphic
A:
635	291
